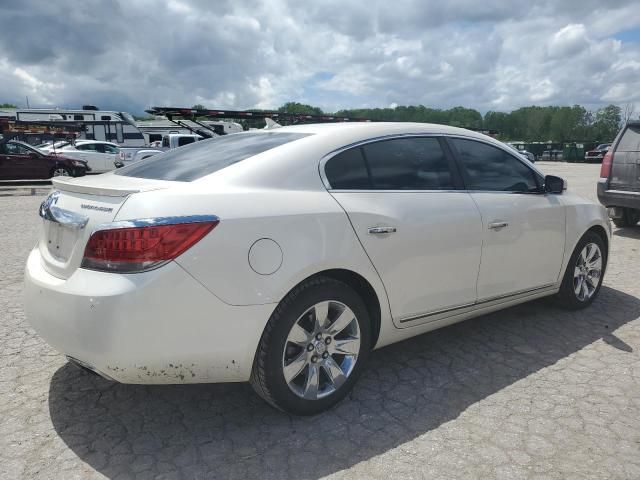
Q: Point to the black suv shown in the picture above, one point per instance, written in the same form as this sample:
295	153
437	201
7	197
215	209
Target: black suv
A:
619	184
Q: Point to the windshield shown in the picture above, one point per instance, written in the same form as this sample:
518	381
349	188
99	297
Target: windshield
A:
196	160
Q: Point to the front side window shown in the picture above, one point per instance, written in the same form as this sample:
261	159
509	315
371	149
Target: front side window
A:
194	161
488	168
18	149
109	148
91	147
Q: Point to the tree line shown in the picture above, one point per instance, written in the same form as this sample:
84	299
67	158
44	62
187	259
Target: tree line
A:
529	124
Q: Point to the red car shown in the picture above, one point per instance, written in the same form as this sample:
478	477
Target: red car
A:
21	161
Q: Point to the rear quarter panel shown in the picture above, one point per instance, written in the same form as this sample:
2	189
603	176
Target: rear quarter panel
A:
311	229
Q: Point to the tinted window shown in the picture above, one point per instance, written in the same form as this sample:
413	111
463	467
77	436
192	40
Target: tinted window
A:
630	141
19	149
182	141
109	149
87	147
347	170
408	164
207	156
490	168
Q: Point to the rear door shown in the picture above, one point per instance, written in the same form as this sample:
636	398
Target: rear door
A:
422	233
625	170
523	229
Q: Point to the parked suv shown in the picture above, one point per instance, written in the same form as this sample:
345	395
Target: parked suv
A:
619	184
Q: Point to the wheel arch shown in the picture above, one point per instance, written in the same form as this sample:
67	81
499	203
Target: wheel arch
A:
602	233
363	288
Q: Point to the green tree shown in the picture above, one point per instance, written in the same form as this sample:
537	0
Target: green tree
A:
607	122
300	108
8	105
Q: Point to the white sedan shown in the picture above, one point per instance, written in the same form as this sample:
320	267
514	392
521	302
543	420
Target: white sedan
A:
99	155
285	256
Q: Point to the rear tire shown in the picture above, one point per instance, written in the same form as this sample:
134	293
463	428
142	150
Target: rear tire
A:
630	218
583	277
313	348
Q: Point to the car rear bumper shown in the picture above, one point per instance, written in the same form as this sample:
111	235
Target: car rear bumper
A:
617	198
157	327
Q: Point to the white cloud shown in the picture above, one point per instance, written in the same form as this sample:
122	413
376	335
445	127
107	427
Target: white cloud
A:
334	54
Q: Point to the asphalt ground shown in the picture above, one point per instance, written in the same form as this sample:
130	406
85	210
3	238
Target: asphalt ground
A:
530	392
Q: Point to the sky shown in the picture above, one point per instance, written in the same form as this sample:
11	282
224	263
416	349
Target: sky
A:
489	55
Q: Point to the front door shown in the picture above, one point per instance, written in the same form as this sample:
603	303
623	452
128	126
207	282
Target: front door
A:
523	229
421	231
15	162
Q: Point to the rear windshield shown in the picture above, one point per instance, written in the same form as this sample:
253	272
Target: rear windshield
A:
630	141
194	161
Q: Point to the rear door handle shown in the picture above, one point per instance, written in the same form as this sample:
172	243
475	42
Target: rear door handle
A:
381	230
498	225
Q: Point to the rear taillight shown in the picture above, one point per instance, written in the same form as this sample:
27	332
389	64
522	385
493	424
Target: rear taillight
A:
607	161
136	246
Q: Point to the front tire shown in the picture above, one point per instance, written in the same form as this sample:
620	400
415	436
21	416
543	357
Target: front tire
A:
313	348
583	278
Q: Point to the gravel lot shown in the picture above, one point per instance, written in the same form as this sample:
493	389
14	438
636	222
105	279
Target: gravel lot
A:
530	392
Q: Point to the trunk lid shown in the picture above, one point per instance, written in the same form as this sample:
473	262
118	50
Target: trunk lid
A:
75	208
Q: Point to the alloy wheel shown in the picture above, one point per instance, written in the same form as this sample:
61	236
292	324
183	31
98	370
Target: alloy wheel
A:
587	272
60	172
321	350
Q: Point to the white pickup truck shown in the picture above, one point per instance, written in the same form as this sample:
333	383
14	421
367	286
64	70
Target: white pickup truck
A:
129	155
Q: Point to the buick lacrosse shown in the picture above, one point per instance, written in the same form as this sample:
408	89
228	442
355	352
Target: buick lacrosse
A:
283	257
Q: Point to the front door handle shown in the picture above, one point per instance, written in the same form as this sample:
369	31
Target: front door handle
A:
498	225
381	230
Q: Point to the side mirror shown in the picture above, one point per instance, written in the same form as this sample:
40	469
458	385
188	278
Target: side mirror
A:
553	184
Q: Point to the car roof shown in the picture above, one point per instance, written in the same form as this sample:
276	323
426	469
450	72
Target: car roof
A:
378	128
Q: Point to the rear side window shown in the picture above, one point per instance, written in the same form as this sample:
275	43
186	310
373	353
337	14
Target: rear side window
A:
488	168
630	141
207	156
347	171
416	163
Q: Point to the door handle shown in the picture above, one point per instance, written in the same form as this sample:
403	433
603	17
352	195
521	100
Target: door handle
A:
498	225
381	230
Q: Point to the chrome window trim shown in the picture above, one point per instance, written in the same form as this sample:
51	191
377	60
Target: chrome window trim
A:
333	153
153	221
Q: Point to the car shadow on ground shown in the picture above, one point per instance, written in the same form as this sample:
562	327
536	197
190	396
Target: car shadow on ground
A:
408	389
628	232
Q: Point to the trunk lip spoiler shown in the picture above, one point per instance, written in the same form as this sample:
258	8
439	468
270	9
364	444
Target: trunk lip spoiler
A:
68	185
